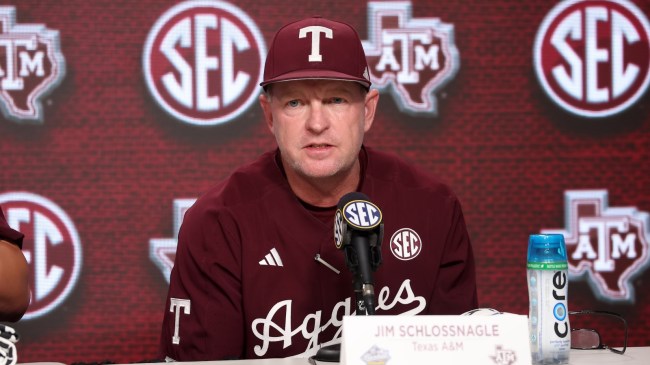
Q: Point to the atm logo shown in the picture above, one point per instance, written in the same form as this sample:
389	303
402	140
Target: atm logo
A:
51	246
203	62
413	58
503	356
162	251
592	57
31	66
606	245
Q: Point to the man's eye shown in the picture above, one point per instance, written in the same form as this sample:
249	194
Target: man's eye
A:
293	103
336	100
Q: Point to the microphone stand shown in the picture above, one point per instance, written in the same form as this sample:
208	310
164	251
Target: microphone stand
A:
364	293
358	294
363	244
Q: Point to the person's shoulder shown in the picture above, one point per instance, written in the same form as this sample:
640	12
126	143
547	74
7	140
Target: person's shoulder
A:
395	170
248	183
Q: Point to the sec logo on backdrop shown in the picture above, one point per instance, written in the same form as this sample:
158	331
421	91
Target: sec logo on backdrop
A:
203	62
592	57
51	246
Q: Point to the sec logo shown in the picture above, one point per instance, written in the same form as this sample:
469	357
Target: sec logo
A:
51	246
203	62
339	229
361	214
405	244
592	57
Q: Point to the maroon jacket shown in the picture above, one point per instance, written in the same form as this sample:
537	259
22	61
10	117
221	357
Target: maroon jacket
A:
8	234
245	282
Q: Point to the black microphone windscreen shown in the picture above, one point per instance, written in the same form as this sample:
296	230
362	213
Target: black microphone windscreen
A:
355	195
357	212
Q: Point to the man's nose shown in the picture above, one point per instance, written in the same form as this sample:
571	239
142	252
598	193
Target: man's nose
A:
317	121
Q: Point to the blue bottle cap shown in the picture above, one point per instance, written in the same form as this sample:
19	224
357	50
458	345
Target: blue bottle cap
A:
544	248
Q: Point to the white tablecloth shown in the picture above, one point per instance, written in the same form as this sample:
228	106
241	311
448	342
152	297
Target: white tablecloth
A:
633	356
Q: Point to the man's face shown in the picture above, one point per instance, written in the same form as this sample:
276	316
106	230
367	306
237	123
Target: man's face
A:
319	124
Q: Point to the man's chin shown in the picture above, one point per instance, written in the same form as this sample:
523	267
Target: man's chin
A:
324	169
320	172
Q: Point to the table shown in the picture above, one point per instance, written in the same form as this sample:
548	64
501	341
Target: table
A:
633	356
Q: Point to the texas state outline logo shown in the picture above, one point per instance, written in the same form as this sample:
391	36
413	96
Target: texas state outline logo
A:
31	66
412	58
162	251
607	246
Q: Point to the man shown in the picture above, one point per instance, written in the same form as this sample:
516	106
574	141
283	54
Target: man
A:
14	289
257	273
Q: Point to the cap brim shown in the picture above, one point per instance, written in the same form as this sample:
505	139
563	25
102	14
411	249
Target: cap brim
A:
315	75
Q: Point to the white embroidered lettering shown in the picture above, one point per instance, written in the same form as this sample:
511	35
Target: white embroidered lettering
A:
175	307
315	31
285	331
312	326
404	296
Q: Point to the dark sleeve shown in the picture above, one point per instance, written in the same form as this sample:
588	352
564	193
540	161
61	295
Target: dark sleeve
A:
455	290
9	234
203	317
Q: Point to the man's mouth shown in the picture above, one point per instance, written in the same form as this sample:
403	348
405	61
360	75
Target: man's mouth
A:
318	145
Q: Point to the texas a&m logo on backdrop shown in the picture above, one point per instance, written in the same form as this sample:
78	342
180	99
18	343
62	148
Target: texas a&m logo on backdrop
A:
413	58
51	246
592	57
162	251
203	62
31	65
608	245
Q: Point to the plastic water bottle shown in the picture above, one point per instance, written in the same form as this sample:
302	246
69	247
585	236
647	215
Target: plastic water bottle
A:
548	281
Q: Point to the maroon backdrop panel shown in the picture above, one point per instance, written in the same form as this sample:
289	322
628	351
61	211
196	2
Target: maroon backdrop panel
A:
117	114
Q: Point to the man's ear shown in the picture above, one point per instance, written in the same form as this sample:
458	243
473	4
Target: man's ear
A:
265	103
372	98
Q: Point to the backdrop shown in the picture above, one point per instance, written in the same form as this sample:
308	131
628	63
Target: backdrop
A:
117	114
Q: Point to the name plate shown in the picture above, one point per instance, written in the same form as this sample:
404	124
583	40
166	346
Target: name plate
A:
406	340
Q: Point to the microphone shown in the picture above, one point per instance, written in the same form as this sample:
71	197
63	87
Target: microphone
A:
358	231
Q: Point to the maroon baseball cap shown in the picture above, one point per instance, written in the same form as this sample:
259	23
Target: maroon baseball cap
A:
316	48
